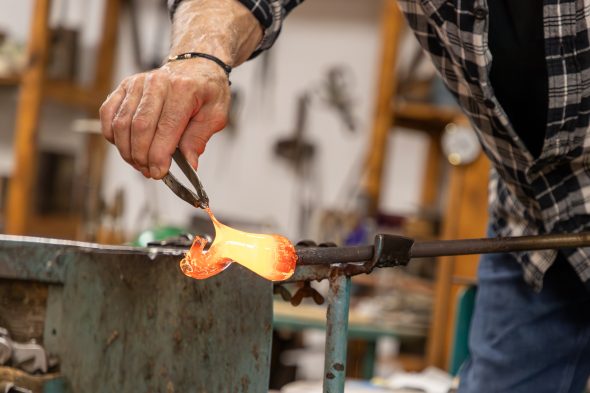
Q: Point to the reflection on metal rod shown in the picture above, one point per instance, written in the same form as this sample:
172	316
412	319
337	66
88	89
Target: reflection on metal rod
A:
330	255
497	245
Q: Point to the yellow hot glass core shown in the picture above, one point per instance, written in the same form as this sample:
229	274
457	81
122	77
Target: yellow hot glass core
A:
270	256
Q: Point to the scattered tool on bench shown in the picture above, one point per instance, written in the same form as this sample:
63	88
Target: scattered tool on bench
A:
30	357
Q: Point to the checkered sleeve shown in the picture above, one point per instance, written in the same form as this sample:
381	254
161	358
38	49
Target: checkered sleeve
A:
270	14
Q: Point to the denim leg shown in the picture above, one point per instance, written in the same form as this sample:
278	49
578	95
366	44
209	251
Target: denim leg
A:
523	341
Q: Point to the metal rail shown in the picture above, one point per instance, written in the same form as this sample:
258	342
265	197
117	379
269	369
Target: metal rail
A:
423	249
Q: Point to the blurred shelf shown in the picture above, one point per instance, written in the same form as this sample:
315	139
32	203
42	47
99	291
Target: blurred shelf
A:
61	226
10	80
424	116
72	94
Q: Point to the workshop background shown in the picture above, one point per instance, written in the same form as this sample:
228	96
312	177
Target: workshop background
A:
386	151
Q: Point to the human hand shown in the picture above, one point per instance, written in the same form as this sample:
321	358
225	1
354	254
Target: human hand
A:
182	104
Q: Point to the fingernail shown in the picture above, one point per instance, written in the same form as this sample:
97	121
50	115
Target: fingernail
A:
155	172
194	161
145	172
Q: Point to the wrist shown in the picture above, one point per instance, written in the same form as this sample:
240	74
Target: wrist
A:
196	68
199	55
221	28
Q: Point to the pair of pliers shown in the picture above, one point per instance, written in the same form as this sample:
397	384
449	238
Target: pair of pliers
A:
198	199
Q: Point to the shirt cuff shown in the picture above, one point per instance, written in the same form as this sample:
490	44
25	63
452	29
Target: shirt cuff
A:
269	13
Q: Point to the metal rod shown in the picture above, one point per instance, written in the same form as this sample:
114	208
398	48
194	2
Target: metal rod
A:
330	255
497	245
336	332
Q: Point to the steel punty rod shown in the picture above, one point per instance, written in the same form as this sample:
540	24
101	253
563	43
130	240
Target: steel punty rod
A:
439	248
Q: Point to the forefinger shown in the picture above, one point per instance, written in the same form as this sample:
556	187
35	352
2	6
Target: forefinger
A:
108	110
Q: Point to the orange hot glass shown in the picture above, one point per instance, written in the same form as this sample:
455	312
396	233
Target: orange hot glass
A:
270	256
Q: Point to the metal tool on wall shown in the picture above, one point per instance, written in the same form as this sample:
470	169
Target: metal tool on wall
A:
159	45
336	92
63	56
300	153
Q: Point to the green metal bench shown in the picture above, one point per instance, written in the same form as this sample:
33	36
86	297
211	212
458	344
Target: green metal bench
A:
120	321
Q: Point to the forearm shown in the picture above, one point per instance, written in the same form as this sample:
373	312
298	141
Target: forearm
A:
222	28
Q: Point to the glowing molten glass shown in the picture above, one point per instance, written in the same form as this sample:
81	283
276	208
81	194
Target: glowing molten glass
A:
270	256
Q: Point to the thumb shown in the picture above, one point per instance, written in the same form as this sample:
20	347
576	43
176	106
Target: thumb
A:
209	120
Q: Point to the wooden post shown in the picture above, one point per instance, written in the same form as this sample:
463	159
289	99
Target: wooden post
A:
21	188
96	145
391	26
103	78
432	174
465	216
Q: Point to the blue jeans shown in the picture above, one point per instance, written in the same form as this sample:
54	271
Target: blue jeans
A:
523	341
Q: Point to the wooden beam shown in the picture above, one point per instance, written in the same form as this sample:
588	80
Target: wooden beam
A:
95	144
21	188
434	122
10	80
465	217
71	94
103	78
391	27
426	117
431	184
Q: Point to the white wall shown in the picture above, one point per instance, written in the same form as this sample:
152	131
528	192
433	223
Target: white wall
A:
241	175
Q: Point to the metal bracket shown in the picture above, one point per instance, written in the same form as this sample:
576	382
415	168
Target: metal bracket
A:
392	250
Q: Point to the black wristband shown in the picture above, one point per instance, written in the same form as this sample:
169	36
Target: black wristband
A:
193	55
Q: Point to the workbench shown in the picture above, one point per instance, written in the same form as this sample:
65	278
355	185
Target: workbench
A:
303	317
127	320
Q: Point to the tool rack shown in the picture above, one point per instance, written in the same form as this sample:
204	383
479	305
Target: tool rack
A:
230	351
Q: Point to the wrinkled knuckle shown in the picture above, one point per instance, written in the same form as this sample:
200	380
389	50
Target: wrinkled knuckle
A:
166	123
140	124
121	123
157	157
155	78
126	82
139	158
184	84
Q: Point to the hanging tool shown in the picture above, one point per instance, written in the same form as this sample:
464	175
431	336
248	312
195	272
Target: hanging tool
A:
336	92
200	199
296	149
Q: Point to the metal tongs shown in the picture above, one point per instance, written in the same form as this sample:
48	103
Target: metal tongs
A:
200	199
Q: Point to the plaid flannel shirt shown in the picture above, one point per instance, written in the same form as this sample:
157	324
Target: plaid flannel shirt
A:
528	196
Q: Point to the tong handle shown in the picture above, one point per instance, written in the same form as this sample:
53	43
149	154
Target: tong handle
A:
191	174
